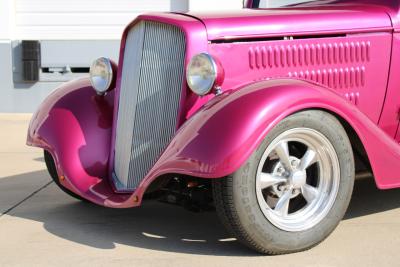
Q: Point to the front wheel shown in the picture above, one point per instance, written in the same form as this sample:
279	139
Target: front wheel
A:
295	188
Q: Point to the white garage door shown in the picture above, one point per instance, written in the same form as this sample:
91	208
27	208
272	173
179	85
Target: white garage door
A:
82	19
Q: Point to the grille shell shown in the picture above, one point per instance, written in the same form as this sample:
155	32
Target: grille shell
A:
150	92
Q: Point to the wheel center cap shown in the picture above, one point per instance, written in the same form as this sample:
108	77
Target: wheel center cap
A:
298	179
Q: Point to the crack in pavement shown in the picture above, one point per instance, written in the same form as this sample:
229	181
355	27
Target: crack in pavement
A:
25	199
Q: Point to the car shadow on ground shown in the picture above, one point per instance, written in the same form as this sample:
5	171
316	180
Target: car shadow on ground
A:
155	225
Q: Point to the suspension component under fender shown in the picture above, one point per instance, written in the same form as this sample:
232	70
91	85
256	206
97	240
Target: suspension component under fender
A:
191	193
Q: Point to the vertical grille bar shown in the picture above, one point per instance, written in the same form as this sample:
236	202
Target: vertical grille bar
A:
152	78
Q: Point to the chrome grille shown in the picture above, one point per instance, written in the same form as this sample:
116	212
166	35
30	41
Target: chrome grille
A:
152	78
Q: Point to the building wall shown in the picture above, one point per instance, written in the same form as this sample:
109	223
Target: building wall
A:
215	5
82	19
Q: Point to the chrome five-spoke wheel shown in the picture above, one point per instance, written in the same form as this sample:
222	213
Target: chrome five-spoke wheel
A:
298	179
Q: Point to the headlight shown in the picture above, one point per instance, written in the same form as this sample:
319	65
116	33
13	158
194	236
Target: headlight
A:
203	73
102	75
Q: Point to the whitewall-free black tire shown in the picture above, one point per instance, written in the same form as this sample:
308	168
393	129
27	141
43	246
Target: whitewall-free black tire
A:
294	189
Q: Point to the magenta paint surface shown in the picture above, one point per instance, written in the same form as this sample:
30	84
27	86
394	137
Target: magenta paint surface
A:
354	66
259	23
265	81
389	120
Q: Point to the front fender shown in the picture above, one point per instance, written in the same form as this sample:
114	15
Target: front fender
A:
218	139
75	125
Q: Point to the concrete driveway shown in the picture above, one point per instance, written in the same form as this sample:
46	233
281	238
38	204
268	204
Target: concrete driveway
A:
41	226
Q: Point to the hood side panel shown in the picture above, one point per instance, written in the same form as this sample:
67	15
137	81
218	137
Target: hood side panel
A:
355	66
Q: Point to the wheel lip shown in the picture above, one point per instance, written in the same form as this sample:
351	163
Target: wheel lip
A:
315	214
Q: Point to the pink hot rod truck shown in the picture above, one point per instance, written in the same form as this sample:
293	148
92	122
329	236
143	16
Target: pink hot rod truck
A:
268	115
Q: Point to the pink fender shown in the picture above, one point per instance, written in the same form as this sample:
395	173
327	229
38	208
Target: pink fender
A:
75	125
218	139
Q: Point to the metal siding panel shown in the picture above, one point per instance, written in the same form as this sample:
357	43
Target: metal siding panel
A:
90	6
77	53
76	19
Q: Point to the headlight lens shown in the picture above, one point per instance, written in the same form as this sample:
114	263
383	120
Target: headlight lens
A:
101	75
202	73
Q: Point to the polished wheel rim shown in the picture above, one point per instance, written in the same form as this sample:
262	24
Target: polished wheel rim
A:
298	179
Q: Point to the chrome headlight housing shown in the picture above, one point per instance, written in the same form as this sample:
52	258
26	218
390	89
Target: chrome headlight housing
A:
102	75
203	74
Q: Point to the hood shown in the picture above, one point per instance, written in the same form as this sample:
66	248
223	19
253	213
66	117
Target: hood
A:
293	21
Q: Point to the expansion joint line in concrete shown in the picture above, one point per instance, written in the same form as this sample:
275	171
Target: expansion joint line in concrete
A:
25	199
